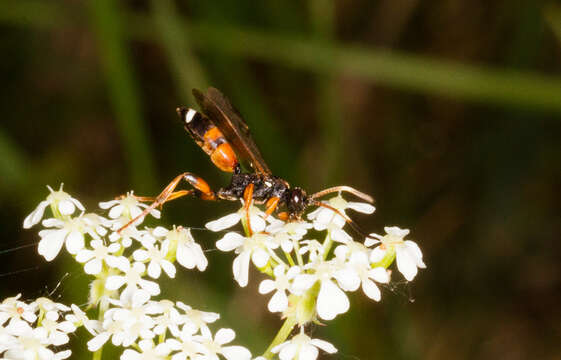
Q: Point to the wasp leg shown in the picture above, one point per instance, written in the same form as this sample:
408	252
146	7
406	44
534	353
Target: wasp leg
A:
202	190
247	199
271	205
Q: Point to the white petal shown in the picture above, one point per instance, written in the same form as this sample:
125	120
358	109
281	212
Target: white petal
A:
223	223
332	301
371	290
340	236
154	270
260	257
78	204
84	255
50	244
93	267
324	345
36	215
168	268
416	253
230	241
257	223
406	264
74	242
396	231
361	207
279	302
140	255
308	352
236	353
108	204
224	336
379	274
151	287
348	279
377	255
302	283
288	352
266	286
97	342
116	211
66	207
241	268
114	282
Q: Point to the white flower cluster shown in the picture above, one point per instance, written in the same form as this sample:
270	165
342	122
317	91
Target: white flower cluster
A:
124	262
36	330
310	278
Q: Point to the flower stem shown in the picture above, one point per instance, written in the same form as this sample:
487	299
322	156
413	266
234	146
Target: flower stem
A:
103	305
283	333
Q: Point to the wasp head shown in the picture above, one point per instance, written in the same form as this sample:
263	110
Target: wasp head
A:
297	201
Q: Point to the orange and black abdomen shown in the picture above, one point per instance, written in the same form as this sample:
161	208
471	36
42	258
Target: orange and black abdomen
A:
209	138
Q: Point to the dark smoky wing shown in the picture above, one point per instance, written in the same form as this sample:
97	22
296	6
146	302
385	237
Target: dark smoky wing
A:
219	109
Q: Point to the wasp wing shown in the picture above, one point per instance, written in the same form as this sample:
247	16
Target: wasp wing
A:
219	109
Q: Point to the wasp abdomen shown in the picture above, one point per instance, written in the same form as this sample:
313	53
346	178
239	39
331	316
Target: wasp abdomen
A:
209	138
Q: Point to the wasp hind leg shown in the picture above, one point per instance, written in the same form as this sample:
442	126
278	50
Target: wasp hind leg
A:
247	201
201	190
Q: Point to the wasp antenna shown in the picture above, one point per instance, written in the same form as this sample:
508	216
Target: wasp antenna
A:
345	188
352	224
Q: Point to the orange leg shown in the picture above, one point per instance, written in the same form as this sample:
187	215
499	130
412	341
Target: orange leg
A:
202	190
271	205
248	198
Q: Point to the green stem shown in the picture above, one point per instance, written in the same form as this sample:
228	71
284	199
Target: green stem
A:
103	306
327	243
289	258
283	333
297	251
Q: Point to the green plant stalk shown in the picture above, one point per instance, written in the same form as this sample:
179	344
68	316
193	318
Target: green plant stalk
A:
186	69
281	336
401	70
105	20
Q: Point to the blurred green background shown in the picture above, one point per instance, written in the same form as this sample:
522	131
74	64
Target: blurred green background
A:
447	112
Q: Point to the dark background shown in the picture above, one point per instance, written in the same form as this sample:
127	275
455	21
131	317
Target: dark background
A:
447	112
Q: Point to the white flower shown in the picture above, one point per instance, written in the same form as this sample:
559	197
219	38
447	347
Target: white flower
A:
302	347
56	331
358	271
196	318
16	311
255	219
189	254
285	234
281	283
408	255
33	344
133	279
59	200
148	351
70	232
79	318
331	300
100	253
314	249
254	248
215	346
156	257
126	236
126	209
325	218
170	318
186	346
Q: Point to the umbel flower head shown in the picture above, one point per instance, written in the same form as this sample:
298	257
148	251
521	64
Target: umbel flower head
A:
309	266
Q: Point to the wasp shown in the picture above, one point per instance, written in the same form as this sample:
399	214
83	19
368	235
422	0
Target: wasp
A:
220	131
